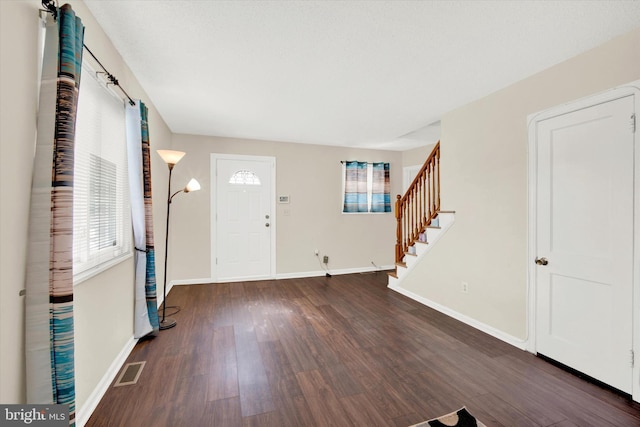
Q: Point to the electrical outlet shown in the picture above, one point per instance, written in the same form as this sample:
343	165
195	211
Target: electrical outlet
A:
465	288
325	259
316	252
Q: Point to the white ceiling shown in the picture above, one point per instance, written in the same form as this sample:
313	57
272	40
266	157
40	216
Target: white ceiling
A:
370	74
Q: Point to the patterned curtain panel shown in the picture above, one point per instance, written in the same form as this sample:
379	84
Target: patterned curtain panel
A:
381	193
355	192
139	159
49	279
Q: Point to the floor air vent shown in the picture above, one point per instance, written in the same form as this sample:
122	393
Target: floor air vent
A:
130	374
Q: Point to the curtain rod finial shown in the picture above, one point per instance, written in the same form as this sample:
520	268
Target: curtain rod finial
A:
50	7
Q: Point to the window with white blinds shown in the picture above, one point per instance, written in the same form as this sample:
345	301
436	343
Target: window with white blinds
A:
101	213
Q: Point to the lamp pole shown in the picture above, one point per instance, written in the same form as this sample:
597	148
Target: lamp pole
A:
171	157
167	323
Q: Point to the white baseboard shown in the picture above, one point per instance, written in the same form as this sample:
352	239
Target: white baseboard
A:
181	282
296	275
318	273
84	413
496	333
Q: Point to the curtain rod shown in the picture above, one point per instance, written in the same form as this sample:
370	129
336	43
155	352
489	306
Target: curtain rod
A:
51	8
369	163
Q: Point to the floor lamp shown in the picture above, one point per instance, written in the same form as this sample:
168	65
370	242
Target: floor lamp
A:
171	157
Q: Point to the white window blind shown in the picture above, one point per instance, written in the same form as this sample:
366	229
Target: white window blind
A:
101	212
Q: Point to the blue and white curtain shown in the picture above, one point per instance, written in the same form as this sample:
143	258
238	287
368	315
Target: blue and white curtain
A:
355	187
139	159
381	189
366	187
49	331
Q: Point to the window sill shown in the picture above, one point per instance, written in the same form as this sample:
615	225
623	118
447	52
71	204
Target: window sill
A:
94	271
366	213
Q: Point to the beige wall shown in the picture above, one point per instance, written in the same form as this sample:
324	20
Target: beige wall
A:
484	179
416	156
104	303
17	137
311	176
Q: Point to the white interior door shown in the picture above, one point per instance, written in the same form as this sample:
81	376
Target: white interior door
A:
584	230
408	175
244	221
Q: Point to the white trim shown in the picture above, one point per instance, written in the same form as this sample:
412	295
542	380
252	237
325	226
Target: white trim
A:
242	279
532	189
272	206
318	273
629	89
84	413
636	253
282	276
183	282
87	274
496	333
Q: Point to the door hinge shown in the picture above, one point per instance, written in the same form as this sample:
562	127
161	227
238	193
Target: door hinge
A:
633	358
633	123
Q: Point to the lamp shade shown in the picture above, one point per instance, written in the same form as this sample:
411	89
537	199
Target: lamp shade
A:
193	185
171	157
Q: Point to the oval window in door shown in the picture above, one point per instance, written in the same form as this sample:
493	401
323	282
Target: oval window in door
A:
244	177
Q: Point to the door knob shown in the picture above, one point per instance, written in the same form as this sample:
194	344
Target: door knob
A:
542	261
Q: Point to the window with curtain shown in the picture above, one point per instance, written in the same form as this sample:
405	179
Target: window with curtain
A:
101	213
366	187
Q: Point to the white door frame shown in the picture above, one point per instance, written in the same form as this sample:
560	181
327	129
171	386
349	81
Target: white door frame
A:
214	204
632	88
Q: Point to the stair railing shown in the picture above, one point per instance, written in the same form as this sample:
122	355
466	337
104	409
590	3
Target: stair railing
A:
419	205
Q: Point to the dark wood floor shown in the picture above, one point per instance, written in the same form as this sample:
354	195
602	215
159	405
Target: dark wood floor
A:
340	351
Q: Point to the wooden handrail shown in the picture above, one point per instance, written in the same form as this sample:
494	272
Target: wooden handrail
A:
419	205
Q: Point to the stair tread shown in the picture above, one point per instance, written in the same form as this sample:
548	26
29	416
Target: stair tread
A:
392	274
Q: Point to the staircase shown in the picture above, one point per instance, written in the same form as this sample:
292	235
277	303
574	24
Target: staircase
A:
420	221
443	221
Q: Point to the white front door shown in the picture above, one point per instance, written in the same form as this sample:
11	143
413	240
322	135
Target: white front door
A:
243	220
584	231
